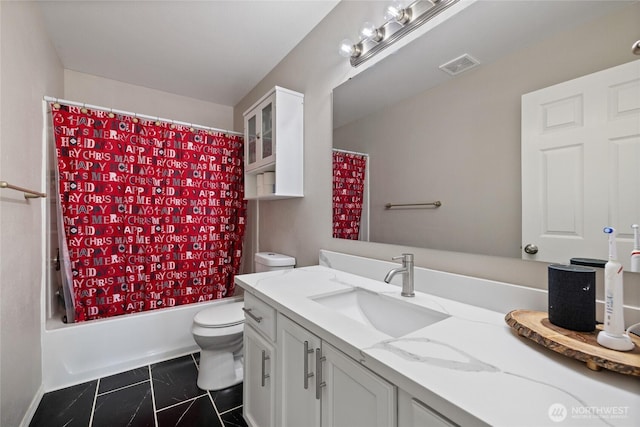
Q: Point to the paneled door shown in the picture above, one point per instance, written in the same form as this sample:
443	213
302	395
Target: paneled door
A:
581	166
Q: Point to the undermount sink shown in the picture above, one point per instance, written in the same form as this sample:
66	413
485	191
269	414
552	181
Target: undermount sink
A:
388	315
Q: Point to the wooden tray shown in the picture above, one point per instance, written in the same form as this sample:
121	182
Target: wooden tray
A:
583	346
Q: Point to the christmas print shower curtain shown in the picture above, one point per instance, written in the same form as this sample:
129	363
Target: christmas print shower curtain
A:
348	192
153	213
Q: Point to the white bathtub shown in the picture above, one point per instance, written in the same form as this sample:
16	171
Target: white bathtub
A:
75	353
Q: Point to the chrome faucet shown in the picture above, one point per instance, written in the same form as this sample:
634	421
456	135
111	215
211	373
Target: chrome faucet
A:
407	274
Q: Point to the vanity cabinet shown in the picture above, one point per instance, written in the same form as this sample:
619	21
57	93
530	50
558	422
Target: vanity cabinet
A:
413	413
274	134
260	356
259	385
318	385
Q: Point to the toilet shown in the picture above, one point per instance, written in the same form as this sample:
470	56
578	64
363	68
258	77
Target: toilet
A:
218	332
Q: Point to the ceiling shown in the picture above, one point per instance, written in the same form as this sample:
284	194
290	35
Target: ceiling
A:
213	50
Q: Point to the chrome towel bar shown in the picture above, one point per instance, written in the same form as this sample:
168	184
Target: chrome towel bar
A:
436	204
28	194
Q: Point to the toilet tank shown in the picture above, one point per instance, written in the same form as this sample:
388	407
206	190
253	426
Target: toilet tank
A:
270	261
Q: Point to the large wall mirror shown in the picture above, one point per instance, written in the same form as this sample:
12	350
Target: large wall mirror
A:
430	136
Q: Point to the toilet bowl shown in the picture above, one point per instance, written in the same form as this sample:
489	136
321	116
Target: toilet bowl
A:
218	332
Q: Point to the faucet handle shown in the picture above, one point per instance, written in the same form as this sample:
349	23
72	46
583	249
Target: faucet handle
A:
403	257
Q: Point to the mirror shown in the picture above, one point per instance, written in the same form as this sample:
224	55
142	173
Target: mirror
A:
431	136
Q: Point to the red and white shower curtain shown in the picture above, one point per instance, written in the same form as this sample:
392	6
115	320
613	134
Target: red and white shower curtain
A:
348	192
153	212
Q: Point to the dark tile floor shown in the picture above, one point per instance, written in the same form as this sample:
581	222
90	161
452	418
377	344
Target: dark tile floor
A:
157	395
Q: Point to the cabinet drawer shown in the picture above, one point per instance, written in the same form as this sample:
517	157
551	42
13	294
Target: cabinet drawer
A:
260	315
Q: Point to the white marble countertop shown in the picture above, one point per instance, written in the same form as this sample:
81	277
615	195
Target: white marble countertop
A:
470	366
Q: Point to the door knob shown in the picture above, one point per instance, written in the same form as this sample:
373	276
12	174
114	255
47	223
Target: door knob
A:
531	249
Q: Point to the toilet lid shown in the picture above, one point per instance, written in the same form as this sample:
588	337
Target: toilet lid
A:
220	316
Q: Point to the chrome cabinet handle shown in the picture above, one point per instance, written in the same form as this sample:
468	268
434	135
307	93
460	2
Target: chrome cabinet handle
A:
264	363
251	315
319	382
306	373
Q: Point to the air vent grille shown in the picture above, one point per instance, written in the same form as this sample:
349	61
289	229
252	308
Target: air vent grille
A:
460	64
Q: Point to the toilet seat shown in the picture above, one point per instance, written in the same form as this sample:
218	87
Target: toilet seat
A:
220	316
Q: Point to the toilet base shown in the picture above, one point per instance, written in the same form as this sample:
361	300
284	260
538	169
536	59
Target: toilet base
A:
219	369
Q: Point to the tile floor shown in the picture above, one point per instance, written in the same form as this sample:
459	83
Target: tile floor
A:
158	395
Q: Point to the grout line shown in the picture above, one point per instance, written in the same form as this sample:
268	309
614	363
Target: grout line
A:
195	362
181	402
153	397
123	387
215	408
232	409
93	406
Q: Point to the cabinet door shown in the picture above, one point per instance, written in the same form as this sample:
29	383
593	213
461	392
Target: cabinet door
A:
297	403
354	396
267	136
251	140
259	382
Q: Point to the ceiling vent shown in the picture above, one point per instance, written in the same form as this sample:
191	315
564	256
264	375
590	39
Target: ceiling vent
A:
460	64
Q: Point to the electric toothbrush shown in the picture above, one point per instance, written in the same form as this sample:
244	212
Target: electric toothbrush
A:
635	253
613	336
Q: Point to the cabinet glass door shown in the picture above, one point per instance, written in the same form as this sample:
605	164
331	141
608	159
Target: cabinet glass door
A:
251	141
267	131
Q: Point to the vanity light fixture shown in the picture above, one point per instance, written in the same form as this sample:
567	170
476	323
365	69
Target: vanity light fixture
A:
399	21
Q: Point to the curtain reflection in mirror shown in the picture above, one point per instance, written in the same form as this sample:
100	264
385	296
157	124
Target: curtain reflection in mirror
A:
349	190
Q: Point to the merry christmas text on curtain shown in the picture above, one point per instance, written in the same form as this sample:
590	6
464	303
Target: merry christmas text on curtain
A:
153	213
349	172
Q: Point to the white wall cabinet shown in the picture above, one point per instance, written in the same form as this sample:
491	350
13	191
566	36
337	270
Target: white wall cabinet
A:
320	386
274	135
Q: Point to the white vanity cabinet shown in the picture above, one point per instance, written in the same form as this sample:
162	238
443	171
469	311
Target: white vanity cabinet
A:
274	133
320	386
259	385
260	356
413	413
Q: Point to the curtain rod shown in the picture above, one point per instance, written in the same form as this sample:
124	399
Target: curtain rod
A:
350	152
142	116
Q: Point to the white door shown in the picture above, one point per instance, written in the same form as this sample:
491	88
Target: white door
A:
259	387
581	165
297	401
352	395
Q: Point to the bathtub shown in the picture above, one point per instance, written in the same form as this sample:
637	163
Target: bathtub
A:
76	353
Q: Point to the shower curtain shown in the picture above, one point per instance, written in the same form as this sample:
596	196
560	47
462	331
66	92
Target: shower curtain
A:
348	192
153	212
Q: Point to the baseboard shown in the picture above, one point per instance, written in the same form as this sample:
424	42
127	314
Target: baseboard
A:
33	407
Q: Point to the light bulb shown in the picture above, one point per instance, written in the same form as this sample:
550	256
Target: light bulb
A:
395	10
371	32
346	48
392	10
368	30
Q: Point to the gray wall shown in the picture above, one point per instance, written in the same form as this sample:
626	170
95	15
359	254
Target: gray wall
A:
301	227
460	142
29	70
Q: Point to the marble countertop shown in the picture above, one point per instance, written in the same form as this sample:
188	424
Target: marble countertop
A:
471	366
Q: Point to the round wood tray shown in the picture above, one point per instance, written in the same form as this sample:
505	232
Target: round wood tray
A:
535	325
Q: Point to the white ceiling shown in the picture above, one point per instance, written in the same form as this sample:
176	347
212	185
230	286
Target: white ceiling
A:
213	50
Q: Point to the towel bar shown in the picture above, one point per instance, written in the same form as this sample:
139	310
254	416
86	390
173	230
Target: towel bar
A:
28	194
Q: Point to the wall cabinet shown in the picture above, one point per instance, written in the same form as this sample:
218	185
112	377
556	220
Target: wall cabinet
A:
320	386
274	148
